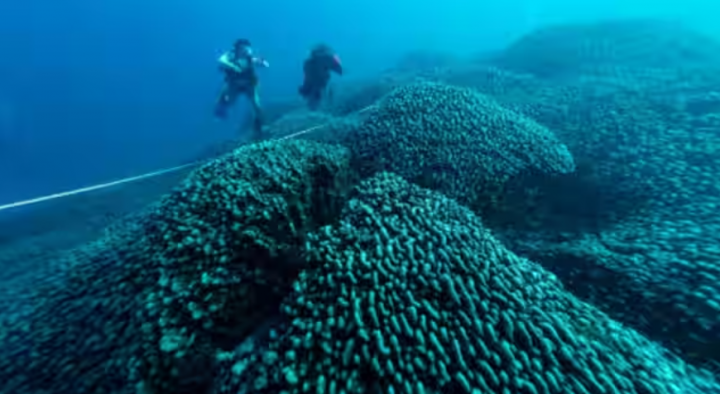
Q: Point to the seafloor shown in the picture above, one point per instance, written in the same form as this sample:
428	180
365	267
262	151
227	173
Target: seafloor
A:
543	219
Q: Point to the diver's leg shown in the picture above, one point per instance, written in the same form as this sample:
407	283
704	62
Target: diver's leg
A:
257	113
329	94
304	89
225	100
314	100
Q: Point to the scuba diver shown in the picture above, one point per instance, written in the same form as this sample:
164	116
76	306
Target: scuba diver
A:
241	78
317	69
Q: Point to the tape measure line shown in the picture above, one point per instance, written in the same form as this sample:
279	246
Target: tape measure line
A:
94	187
138	177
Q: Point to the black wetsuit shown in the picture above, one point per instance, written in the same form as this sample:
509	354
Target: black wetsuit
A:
240	83
317	70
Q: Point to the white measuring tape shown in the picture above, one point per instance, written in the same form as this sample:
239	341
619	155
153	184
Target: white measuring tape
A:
94	187
138	177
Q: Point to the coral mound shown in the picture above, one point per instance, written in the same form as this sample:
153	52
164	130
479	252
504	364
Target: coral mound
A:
409	293
615	46
194	272
225	245
454	140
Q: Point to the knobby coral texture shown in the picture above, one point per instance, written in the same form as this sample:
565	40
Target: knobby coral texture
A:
409	292
153	300
452	139
539	220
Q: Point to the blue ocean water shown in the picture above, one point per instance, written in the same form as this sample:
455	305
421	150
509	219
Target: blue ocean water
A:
104	90
497	198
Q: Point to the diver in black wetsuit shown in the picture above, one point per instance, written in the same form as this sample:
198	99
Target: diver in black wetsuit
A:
317	70
241	78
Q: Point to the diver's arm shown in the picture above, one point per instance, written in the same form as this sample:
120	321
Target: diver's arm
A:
337	68
226	62
261	62
336	65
